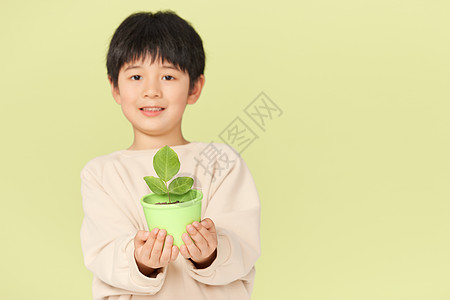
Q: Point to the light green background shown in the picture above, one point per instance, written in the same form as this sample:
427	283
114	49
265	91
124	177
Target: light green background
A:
353	177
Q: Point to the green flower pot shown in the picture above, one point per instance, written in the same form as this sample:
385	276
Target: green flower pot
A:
173	217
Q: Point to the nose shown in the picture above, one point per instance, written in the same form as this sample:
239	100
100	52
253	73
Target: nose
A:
152	89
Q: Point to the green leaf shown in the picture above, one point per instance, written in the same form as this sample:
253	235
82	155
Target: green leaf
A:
181	185
166	163
156	185
185	197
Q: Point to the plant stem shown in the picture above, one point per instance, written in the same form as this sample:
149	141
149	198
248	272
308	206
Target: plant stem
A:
168	194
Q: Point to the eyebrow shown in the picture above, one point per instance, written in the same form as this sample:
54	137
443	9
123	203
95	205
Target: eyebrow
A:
164	67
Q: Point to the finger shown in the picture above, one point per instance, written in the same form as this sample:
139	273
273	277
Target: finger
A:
157	247
140	238
193	250
209	224
147	247
199	240
167	250
184	251
211	238
175	252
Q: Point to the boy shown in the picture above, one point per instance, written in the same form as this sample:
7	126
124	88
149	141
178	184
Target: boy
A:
155	68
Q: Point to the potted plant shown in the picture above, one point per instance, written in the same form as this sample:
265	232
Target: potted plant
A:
172	205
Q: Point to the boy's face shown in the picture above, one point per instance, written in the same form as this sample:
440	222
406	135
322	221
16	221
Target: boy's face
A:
142	86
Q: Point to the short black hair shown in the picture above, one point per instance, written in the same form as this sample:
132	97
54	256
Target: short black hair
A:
161	35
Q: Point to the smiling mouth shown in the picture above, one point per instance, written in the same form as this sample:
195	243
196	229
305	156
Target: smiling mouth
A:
151	108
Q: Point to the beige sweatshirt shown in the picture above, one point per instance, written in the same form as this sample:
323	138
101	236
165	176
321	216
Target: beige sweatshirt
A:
111	188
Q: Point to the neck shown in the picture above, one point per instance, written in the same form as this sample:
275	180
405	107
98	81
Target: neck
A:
144	141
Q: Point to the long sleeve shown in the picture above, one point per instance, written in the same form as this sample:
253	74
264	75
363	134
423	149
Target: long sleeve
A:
107	234
234	207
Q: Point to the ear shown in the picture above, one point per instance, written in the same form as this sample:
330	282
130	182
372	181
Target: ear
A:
197	90
114	91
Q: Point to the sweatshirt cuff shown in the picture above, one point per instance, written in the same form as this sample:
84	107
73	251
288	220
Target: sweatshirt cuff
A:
223	255
140	279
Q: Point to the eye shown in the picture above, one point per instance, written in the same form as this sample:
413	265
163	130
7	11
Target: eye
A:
169	76
134	76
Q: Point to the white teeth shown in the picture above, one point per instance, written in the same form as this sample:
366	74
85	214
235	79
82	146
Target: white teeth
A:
152	108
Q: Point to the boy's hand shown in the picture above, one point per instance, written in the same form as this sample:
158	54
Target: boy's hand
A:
153	250
203	249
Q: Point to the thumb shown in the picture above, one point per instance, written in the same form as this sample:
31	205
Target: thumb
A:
208	224
140	238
